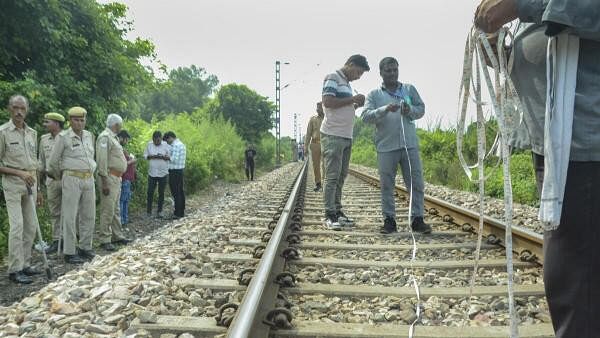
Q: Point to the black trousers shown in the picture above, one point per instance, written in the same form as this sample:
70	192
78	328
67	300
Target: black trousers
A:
572	256
152	183
176	186
250	169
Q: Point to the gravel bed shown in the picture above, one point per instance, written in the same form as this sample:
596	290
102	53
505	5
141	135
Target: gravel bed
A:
102	297
404	255
524	215
484	311
400	277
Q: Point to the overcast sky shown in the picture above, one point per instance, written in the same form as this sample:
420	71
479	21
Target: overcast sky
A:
239	41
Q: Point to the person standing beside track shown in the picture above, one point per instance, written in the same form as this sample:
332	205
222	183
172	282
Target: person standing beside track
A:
54	123
72	162
18	166
157	153
392	108
312	142
176	168
336	135
571	252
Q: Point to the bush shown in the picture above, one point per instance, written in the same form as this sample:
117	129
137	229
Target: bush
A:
213	150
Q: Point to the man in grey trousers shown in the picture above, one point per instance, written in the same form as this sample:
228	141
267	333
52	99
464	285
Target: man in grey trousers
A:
393	108
336	135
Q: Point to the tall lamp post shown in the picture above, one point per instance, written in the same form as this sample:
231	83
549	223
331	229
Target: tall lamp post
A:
278	111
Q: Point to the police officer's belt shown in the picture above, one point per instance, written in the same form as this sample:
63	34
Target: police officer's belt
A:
79	174
115	173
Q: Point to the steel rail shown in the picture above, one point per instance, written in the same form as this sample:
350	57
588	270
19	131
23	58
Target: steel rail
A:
246	317
528	244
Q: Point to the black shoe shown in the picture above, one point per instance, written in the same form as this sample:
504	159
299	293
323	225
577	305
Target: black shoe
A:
29	271
317	187
87	254
20	278
108	247
389	226
418	225
73	259
52	248
122	241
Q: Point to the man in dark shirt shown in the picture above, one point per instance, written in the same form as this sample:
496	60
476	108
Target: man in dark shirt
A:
249	155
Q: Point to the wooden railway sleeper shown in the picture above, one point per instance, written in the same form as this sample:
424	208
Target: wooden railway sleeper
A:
225	319
279	318
243	278
286	280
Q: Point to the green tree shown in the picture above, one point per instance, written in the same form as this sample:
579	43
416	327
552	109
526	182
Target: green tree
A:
249	112
186	90
71	52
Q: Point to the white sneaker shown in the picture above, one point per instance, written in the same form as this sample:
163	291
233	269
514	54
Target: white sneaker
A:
332	224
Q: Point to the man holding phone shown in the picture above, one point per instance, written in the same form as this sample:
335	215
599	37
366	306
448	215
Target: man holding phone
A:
158	155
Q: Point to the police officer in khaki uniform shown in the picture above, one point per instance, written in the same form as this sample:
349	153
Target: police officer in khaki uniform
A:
18	166
111	166
54	123
72	162
312	141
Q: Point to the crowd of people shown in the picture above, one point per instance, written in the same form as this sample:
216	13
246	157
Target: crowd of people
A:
69	163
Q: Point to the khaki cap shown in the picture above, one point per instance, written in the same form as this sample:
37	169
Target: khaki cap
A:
77	112
54	117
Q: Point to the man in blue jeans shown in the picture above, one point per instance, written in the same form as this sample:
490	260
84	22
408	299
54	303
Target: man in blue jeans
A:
336	135
392	108
127	179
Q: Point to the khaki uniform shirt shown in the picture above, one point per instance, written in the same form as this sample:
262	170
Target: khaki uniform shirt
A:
109	154
46	145
72	152
313	131
18	147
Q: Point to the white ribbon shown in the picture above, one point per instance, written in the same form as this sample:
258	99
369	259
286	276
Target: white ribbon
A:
561	73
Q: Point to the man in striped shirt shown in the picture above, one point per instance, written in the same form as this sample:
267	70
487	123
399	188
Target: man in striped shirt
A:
336	135
176	166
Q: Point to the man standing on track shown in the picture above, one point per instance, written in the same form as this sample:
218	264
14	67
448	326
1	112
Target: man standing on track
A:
336	135
312	142
393	108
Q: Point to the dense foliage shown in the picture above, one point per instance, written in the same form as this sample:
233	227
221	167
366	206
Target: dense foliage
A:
71	52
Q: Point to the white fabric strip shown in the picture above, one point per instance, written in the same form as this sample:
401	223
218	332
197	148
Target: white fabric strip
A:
561	73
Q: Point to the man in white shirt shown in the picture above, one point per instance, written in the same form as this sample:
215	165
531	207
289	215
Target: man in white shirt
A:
158	155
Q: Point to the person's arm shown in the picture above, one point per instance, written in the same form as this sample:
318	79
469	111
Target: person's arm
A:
102	161
147	153
416	105
581	17
372	113
308	134
329	95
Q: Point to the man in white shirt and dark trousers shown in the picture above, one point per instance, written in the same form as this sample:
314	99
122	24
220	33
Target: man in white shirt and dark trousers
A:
176	166
336	135
157	153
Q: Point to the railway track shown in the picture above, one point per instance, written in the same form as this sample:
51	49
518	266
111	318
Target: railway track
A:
296	279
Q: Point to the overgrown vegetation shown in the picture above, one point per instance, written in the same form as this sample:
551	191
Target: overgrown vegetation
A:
441	165
75	52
